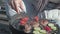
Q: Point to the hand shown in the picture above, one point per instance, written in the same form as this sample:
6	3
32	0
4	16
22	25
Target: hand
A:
17	5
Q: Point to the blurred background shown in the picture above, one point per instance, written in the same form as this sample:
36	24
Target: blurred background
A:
4	20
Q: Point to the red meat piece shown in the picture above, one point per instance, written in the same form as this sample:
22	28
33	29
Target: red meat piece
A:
24	20
36	18
47	28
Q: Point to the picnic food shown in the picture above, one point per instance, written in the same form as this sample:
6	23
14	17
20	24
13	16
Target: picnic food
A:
52	26
23	21
27	28
39	31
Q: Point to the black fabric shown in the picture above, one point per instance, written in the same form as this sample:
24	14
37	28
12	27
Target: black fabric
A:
4	29
35	6
50	6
